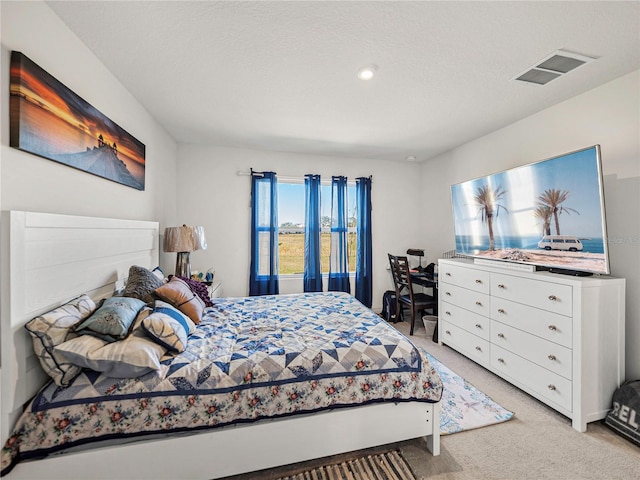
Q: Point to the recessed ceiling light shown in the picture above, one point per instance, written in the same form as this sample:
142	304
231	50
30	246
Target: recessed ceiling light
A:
410	158
367	73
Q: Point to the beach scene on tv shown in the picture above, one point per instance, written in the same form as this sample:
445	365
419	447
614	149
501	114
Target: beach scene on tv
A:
548	214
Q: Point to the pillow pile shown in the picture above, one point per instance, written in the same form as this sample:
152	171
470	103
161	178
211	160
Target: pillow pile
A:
122	337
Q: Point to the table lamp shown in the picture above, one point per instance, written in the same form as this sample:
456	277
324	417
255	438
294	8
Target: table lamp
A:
184	240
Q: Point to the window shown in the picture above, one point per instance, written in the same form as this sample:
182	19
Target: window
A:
291	229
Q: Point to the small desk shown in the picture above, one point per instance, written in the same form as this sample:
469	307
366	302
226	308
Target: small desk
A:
424	279
428	280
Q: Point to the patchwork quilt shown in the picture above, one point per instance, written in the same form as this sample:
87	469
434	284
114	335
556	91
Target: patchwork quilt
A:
250	358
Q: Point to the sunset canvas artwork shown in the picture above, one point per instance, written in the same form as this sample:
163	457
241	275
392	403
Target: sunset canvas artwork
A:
49	120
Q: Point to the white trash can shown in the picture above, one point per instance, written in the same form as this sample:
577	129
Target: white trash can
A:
430	322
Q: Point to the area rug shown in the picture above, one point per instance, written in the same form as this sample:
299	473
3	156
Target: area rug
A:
464	407
383	466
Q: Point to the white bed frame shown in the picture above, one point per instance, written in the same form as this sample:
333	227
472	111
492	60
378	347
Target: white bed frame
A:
48	259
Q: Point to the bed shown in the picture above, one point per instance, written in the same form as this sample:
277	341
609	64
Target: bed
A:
268	391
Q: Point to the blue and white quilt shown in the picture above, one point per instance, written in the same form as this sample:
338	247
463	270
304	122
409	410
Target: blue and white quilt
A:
249	358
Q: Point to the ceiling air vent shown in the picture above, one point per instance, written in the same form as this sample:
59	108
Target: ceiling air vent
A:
555	65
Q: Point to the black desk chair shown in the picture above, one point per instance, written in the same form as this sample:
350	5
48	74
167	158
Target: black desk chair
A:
405	296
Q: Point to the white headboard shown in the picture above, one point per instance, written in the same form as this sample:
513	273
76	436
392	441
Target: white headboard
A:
45	261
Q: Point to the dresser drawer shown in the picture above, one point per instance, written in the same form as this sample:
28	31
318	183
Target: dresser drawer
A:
548	355
546	295
469	321
470	278
468	299
550	326
552	387
472	346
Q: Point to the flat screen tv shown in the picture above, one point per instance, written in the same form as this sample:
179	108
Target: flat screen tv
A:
549	214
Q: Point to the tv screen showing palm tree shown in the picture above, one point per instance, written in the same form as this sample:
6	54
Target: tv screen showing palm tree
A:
549	214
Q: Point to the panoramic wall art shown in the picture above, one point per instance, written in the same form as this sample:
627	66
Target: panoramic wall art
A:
49	120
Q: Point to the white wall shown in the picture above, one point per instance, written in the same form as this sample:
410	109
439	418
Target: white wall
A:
29	182
608	115
211	194
411	205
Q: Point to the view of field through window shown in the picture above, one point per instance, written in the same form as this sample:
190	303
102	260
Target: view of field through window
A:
291	216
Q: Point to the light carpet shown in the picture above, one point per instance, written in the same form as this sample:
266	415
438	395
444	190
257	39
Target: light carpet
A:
384	466
464	407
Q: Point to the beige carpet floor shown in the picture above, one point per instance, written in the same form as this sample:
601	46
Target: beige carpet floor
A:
538	443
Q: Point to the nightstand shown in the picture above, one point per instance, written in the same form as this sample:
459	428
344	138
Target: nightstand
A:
215	289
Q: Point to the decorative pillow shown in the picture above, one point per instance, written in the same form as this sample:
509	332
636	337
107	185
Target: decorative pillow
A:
168	327
53	328
199	288
141	284
178	294
160	274
132	357
112	320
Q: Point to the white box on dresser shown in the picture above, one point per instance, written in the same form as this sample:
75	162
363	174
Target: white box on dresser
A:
559	338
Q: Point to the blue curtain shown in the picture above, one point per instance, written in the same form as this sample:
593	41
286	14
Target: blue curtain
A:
338	258
364	275
312	230
263	277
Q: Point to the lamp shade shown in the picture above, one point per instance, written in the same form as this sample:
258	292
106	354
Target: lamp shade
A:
201	241
184	239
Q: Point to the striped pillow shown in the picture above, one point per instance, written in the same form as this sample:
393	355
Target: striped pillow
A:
168	326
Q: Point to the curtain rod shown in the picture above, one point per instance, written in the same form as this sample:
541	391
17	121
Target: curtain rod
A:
240	173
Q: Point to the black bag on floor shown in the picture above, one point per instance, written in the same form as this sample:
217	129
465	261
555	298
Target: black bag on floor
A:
389	306
624	417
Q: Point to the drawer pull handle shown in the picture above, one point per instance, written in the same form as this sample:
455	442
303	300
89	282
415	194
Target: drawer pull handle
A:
447	332
448	294
501	335
553	328
551	357
479	303
479	349
501	360
478	326
551	387
500	285
478	281
448	313
448	274
501	310
553	298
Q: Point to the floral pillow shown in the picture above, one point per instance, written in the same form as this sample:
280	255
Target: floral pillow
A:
112	320
53	328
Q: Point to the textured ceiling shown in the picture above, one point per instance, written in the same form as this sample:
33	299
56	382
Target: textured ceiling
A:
282	75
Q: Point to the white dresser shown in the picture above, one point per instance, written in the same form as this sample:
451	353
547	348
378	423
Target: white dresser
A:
559	338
